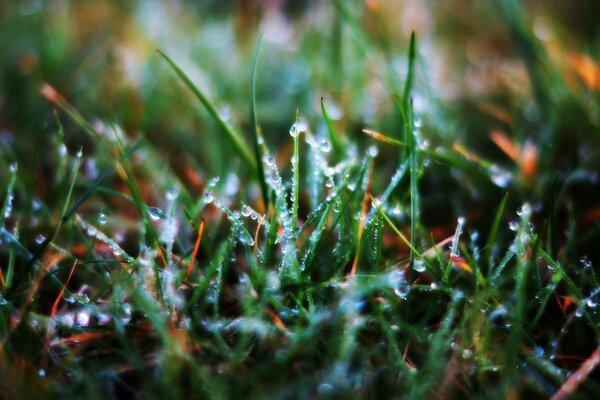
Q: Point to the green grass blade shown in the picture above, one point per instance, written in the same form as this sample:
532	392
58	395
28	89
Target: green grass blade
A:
410	76
258	153
338	148
491	240
237	141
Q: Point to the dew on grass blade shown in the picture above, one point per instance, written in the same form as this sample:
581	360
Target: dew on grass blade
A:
208	197
13	168
102	218
294	131
419	265
499	176
155	213
325	146
246	210
39	239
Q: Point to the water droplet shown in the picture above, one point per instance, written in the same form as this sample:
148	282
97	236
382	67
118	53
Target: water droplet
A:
418	123
270	161
499	176
325	146
3	301
82	318
538	351
80	153
586	262
102	218
294	131
13	168
373	151
208	197
591	303
579	312
172	194
236	214
419	265
42	373
467	354
62	150
246	211
155	213
513	225
39	239
329	183
325	389
402	290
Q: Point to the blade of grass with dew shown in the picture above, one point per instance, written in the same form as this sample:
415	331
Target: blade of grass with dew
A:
237	141
338	147
295	133
42	247
491	239
258	154
413	172
404	239
7	205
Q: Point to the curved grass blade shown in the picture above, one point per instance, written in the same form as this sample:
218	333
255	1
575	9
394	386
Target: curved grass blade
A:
258	153
338	148
233	136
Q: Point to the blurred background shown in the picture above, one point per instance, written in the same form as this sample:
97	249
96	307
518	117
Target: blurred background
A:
513	82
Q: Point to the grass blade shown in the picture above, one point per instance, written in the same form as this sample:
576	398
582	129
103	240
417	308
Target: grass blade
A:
237	141
258	153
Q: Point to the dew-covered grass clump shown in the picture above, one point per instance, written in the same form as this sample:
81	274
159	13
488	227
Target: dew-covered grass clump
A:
299	199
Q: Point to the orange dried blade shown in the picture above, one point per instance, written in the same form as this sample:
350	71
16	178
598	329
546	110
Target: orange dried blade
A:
255	250
62	291
592	215
461	263
506	144
587	69
79	338
496	112
277	321
382	138
466	153
50	93
577	377
196	247
528	160
2	281
431	251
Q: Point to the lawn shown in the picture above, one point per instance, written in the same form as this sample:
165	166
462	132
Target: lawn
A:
299	199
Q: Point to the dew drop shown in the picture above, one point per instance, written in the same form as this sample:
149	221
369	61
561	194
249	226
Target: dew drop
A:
102	218
329	183
208	197
325	146
579	312
39	239
513	226
155	213
42	373
499	176
591	303
246	211
236	214
418	123
373	151
294	131
419	265
13	168
538	351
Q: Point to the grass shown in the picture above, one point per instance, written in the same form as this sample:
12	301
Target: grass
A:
332	222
